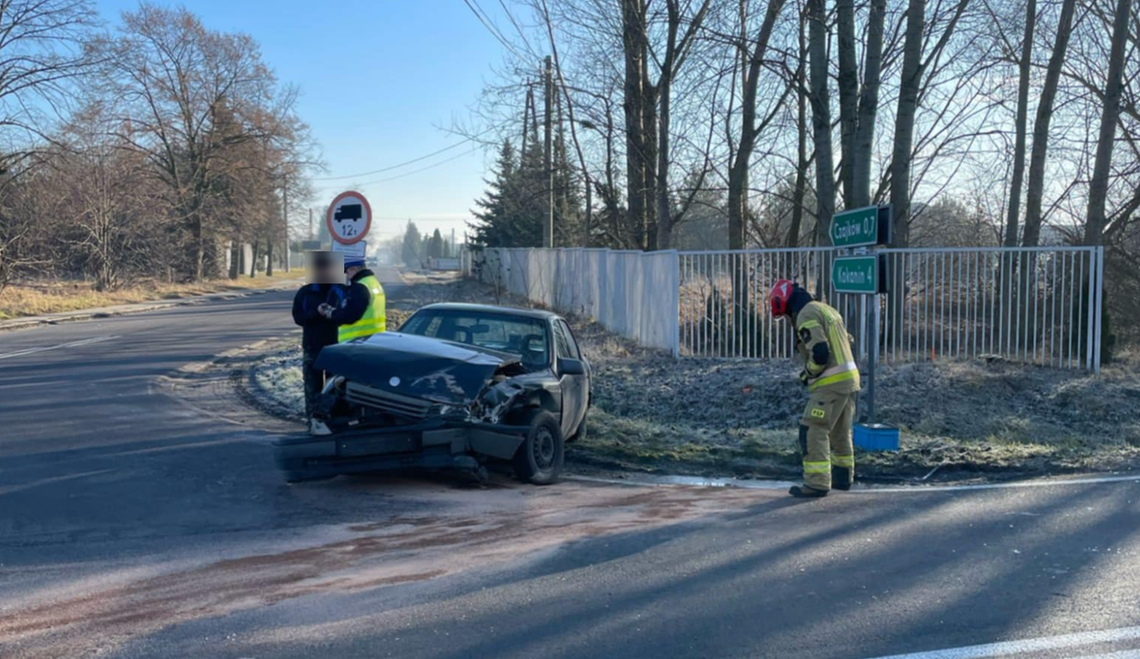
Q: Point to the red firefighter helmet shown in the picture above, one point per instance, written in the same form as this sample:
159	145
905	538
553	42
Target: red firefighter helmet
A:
780	296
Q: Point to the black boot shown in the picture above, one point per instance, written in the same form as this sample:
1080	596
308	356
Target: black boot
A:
841	478
805	492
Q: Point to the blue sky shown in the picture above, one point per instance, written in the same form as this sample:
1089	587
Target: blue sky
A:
378	79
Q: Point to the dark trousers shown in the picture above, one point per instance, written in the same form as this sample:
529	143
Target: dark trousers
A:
314	381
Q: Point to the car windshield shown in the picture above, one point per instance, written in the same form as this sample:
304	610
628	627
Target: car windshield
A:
526	337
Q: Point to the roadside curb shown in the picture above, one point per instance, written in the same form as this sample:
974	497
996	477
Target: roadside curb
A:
27	322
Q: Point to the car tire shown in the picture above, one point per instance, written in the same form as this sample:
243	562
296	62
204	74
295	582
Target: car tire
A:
539	460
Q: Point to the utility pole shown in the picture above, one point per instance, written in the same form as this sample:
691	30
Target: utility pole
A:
547	157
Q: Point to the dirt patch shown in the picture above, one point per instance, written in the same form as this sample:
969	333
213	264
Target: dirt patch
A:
658	414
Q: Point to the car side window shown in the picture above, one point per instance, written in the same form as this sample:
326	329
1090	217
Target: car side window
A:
562	338
574	352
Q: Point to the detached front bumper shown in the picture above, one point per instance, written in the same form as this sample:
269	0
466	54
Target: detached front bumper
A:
430	445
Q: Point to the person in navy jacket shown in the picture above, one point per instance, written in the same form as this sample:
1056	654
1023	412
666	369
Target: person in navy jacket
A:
317	330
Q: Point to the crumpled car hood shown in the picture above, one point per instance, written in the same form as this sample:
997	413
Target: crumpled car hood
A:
413	365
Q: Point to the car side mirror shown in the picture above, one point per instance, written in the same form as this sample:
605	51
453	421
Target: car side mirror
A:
567	366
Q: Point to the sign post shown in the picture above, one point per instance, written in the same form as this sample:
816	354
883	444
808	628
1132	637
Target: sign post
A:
863	272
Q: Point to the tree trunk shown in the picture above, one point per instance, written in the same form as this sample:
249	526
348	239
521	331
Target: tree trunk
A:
800	191
639	179
821	119
1036	187
904	120
1011	218
848	95
860	157
235	249
253	259
664	211
269	257
1113	88
738	173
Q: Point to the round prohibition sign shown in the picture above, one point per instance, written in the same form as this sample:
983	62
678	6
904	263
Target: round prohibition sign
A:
343	226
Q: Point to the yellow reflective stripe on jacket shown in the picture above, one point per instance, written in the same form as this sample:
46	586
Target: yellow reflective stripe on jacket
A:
356	330
817	467
832	379
843	460
375	318
809	324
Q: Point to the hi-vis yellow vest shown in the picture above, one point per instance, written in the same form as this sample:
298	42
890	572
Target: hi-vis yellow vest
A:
375	318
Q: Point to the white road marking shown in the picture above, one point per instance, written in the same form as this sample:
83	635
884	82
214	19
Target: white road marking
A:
1003	486
1034	645
72	344
672	481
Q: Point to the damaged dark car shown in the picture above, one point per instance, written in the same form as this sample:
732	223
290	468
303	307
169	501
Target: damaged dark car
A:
459	386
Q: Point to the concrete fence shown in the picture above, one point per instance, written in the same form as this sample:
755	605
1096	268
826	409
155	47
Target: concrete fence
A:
634	294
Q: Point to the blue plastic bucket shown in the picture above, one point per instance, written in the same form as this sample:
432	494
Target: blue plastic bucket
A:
875	437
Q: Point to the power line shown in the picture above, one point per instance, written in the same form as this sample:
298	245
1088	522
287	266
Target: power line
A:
421	169
518	29
494	32
403	164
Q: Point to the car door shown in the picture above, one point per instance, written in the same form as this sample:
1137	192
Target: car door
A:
575	388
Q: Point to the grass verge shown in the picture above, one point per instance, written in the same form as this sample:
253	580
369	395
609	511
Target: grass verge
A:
34	299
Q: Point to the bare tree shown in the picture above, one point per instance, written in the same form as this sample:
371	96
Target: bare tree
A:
1036	186
911	86
172	78
1024	65
821	119
676	49
640	106
753	60
1098	186
861	145
41	52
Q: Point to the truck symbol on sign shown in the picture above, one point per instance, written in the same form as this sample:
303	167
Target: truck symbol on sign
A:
348	212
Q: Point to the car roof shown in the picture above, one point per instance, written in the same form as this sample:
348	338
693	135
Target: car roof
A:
490	308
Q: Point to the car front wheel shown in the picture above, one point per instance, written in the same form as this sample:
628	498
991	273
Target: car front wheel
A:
539	459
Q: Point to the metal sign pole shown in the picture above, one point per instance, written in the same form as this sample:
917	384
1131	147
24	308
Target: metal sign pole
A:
873	358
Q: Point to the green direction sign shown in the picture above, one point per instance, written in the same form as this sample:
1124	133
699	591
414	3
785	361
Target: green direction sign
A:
856	274
861	226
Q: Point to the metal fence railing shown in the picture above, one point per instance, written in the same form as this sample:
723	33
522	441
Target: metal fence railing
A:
1036	305
1039	305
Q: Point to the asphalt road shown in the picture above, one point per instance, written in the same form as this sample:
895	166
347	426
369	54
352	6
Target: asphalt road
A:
133	524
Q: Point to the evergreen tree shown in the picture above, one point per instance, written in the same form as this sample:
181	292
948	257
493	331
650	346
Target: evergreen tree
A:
435	245
511	211
412	250
490	218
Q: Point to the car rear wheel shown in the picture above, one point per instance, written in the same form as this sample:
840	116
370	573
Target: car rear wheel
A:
539	459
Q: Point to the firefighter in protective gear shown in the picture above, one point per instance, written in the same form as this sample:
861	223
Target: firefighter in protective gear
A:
832	379
359	309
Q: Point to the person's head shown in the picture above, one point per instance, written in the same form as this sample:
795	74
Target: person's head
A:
353	266
787	298
324	267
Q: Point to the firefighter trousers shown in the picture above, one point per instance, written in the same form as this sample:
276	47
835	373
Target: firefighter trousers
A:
825	440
